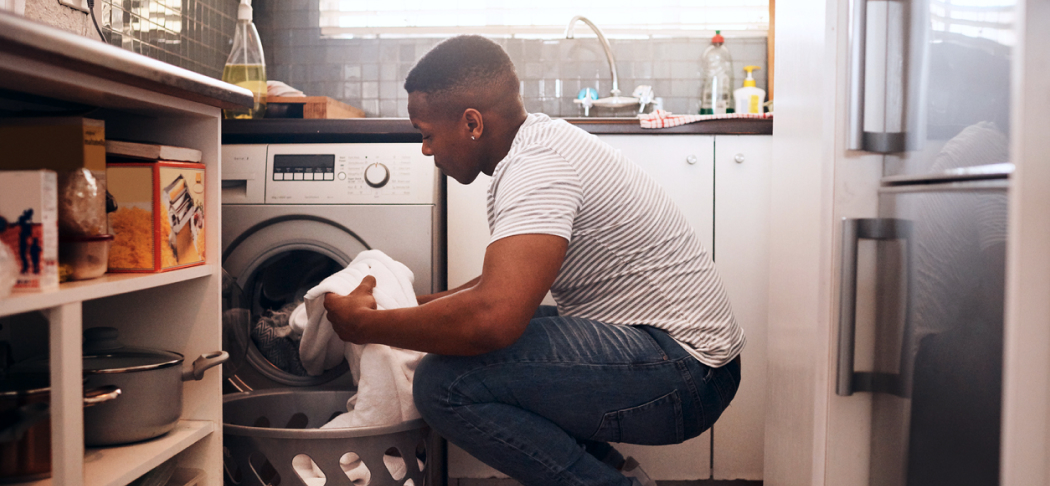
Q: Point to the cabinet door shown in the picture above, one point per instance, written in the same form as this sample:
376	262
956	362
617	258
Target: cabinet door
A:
468	229
742	191
684	166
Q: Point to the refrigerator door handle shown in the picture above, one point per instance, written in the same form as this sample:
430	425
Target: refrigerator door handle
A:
913	134
857	46
847	380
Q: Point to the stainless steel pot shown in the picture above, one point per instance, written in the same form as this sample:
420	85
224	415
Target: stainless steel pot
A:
151	381
25	425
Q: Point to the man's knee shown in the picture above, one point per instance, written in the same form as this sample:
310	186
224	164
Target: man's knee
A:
430	383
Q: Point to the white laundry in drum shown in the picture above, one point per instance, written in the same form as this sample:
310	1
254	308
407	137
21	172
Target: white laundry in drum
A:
383	374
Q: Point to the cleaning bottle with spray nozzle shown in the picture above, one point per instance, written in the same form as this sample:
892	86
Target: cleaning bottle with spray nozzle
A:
750	98
246	67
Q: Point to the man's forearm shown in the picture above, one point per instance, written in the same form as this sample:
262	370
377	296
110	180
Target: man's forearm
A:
461	324
423	299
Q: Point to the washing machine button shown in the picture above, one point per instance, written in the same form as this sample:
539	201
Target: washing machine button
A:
298	176
330	176
342	176
309	176
278	176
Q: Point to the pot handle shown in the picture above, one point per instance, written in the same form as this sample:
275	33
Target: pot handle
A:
22	419
205	361
101	394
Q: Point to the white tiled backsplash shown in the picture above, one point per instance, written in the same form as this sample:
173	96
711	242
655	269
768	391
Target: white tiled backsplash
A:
370	73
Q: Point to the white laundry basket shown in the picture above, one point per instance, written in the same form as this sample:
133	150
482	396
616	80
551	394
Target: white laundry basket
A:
265	432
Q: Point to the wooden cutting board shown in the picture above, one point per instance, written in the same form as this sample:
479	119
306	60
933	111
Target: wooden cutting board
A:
310	107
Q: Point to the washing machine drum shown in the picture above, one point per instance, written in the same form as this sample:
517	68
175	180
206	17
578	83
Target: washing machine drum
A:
266	276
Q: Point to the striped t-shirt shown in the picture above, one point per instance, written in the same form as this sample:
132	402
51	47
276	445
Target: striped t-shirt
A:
632	257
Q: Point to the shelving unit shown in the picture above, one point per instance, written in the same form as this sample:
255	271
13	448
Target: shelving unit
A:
139	99
107	285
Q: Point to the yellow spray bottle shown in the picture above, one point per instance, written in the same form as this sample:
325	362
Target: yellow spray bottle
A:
750	98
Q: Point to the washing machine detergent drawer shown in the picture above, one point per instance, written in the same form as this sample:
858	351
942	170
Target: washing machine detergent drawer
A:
364	173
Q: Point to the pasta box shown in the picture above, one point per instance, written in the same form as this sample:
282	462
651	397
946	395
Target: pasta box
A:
29	226
158	224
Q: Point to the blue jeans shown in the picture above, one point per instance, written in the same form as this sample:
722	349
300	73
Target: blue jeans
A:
544	409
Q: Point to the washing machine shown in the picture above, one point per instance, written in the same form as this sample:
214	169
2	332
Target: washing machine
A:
292	214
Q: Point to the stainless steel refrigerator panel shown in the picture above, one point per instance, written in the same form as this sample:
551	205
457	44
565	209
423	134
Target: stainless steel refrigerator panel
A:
948	347
925	73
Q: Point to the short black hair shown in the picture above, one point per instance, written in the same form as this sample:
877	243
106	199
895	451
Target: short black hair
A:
461	63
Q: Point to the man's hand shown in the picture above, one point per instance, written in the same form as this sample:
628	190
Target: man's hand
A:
347	313
484	315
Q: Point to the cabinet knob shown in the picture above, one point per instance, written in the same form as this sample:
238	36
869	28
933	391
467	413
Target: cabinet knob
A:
739	158
691	159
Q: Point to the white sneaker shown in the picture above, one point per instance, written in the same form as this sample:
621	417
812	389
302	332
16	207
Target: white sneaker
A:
634	471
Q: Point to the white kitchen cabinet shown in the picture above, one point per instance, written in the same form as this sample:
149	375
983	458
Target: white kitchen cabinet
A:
178	310
727	203
684	165
729	208
742	184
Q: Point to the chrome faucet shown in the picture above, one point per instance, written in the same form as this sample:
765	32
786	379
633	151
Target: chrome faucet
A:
569	31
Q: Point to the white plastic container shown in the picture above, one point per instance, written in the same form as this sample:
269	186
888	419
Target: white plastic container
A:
87	257
750	98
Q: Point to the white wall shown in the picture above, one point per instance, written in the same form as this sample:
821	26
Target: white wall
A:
52	13
16	6
801	236
1026	381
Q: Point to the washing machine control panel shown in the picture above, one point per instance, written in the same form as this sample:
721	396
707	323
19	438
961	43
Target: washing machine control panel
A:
362	173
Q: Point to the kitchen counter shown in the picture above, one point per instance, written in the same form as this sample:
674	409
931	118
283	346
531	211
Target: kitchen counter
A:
375	130
41	45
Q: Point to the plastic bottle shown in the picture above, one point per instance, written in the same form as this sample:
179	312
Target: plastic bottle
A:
750	98
246	67
716	94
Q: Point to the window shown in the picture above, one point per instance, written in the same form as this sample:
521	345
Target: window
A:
983	19
541	18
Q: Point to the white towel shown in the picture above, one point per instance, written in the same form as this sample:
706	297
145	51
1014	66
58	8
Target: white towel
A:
383	374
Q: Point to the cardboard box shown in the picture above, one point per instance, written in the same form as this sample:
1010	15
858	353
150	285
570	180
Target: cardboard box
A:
55	143
66	145
159	221
29	226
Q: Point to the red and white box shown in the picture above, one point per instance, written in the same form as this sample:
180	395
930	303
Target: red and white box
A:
29	226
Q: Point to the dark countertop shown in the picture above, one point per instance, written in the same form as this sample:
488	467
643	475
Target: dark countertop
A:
377	130
35	42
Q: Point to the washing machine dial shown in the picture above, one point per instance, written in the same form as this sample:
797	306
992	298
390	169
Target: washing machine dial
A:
377	175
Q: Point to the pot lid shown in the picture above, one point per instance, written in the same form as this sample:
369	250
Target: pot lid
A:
104	353
15	385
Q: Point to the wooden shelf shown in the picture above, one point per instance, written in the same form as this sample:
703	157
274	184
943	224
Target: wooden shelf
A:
118	466
107	285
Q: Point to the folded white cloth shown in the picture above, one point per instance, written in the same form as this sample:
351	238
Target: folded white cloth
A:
383	374
278	88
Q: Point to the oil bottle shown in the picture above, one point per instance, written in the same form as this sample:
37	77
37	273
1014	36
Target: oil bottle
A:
246	67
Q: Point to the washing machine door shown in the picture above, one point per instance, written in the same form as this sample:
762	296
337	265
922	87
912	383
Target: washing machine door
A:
275	264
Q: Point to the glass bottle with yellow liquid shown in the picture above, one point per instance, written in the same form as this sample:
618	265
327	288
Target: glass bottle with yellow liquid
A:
246	67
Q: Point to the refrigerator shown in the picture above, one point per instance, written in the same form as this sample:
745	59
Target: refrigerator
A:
929	88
